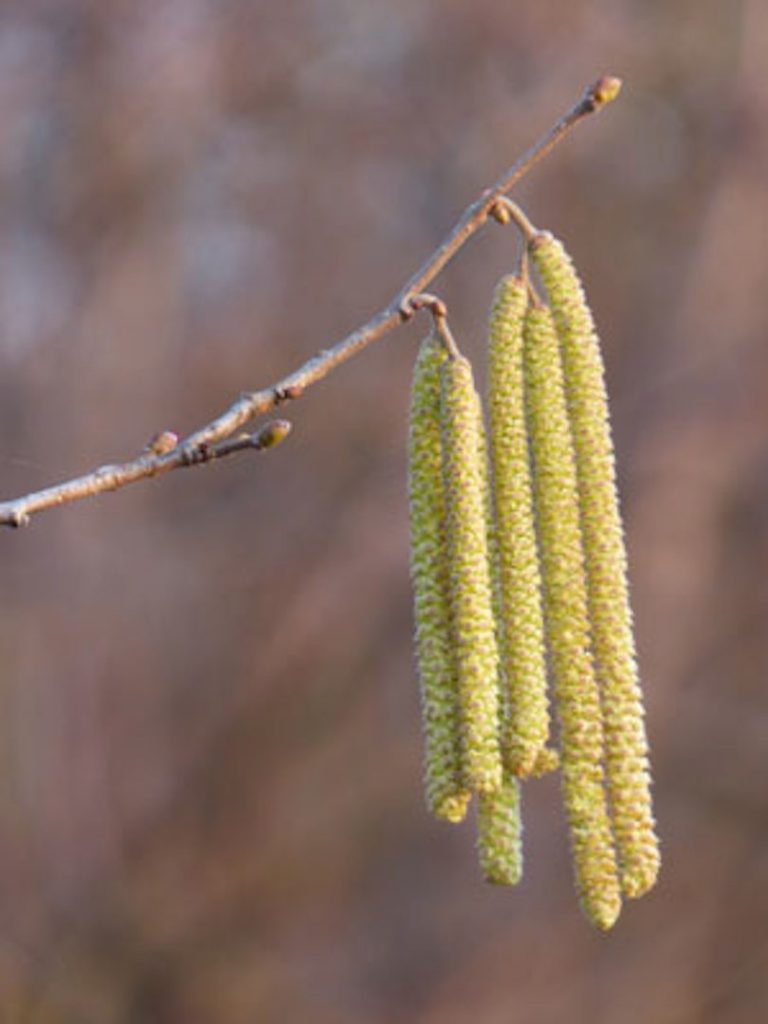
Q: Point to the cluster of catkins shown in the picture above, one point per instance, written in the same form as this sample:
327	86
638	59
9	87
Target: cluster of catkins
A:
519	574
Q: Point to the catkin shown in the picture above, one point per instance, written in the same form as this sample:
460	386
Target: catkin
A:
576	691
526	726
447	798
499	834
499	825
473	620
627	764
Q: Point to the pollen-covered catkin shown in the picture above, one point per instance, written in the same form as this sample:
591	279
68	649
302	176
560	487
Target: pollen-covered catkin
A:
499	833
474	630
576	692
447	798
627	764
499	825
526	726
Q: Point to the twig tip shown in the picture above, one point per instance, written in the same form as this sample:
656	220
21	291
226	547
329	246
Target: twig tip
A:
272	434
605	90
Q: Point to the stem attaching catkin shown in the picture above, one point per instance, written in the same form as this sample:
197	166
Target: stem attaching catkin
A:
447	797
627	762
474	627
567	619
526	727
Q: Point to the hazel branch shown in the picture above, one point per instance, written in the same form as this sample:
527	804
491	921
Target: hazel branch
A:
206	444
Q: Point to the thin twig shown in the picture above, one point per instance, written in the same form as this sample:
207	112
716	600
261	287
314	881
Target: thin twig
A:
192	450
268	436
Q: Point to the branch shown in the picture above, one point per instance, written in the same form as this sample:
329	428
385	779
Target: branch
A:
205	444
155	460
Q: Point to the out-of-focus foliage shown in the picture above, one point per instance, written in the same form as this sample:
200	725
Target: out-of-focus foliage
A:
210	796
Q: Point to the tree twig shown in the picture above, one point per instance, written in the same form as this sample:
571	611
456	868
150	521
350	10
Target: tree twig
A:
209	441
150	463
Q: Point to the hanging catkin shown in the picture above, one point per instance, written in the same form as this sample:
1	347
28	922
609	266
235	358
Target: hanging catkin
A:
627	765
576	691
470	578
499	823
499	833
526	728
447	798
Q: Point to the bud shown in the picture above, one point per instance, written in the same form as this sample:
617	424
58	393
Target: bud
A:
565	594
162	443
605	90
627	763
446	796
272	434
474	631
526	727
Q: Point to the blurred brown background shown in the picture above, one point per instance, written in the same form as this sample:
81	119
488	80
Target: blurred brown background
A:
210	805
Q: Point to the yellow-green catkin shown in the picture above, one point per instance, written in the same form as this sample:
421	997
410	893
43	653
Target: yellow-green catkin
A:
627	763
526	728
473	620
447	797
499	833
499	824
567	618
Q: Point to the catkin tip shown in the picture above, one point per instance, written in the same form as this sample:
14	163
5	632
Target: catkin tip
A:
605	914
639	880
453	808
547	761
499	835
